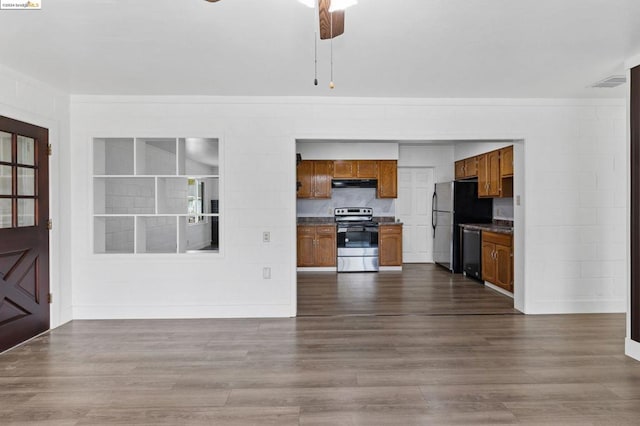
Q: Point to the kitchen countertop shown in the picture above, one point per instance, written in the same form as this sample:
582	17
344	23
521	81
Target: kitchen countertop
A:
490	227
329	220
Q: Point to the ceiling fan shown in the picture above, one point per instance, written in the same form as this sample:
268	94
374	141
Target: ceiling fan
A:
331	16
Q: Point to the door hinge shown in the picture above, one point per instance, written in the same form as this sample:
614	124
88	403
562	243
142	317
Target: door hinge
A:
49	224
49	298
49	150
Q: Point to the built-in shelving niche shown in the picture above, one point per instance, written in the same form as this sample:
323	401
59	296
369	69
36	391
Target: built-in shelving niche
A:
156	195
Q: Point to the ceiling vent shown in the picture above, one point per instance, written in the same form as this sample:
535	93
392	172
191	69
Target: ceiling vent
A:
610	82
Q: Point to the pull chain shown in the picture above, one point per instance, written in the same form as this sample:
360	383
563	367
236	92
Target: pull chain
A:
331	85
315	56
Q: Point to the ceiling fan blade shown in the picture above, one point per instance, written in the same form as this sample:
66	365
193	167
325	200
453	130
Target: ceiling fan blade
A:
331	24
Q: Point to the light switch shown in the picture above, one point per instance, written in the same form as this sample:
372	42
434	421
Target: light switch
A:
266	273
517	200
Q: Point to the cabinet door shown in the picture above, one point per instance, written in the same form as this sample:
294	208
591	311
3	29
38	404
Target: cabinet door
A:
506	161
325	246
459	169
387	179
493	167
367	169
390	245
306	245
305	177
471	167
504	267
483	176
488	262
344	169
323	173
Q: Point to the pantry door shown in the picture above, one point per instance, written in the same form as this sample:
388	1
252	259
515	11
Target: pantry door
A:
24	234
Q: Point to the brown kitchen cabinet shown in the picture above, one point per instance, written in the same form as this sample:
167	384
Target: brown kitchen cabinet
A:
316	245
390	245
467	168
387	179
355	169
314	177
491	184
497	259
506	162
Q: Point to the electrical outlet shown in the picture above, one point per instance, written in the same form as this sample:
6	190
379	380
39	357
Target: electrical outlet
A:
266	273
517	200
266	237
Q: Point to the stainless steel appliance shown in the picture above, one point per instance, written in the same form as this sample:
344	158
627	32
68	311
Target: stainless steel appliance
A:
455	203
357	239
471	253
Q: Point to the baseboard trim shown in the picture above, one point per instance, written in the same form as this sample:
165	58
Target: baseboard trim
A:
317	269
390	268
632	349
180	312
576	307
498	289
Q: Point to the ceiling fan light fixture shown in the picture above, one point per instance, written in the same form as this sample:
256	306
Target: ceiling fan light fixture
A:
341	4
308	3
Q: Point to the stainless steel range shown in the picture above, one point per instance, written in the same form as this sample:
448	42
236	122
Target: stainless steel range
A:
357	239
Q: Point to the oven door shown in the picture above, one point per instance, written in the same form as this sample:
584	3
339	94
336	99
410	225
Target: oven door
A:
357	237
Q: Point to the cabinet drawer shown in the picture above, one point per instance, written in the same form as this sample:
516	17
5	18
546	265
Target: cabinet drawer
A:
325	229
390	229
496	238
306	230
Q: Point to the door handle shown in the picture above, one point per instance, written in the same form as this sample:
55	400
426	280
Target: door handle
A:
434	205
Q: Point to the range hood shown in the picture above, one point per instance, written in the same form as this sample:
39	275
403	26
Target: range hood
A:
354	183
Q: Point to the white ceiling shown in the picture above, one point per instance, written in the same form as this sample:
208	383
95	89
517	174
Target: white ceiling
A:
395	48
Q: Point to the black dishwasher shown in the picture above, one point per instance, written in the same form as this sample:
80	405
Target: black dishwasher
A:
472	253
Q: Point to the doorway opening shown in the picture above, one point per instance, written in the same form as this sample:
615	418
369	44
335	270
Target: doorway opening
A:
418	286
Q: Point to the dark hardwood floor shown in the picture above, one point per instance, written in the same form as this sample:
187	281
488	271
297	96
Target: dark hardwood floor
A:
413	364
420	289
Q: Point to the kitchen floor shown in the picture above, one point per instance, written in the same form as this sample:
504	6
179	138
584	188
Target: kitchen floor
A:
419	289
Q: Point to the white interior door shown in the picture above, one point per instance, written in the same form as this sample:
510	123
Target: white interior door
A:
413	207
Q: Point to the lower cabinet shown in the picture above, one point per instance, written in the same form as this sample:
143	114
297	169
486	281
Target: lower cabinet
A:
497	259
390	245
316	245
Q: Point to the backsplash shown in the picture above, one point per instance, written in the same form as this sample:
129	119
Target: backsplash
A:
347	197
503	208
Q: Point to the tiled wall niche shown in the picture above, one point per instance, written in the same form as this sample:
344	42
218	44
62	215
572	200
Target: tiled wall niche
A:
141	190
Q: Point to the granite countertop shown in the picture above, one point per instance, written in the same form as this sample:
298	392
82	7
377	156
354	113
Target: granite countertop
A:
490	227
329	220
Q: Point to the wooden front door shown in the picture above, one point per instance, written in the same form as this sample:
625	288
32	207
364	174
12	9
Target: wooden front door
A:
24	235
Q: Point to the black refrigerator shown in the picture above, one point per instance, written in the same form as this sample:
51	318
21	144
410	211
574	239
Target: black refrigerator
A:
454	203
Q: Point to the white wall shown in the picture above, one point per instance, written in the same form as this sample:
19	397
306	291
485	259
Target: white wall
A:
34	102
345	150
575	156
440	157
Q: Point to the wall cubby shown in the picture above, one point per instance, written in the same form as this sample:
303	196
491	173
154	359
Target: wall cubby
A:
156	195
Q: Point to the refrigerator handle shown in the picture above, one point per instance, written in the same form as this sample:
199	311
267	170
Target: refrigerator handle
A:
434	206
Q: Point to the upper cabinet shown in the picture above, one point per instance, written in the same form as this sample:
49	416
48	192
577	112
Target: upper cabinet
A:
387	179
467	168
355	169
494	171
314	177
506	162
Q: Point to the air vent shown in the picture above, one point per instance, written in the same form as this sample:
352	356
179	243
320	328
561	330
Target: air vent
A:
610	82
